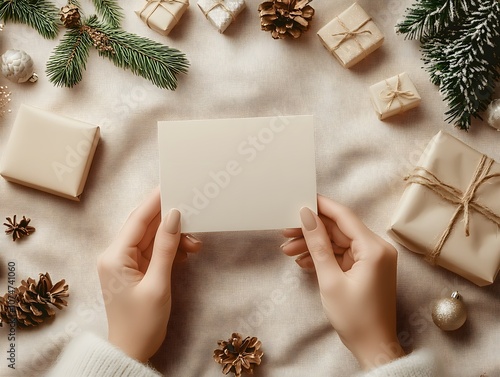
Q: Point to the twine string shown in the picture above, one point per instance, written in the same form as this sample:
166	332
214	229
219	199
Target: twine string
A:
156	5
348	34
465	201
219	3
390	94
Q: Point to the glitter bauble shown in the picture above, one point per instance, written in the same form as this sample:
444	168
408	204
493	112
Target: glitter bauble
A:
449	313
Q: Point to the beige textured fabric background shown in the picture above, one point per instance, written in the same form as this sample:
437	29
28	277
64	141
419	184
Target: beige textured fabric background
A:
241	281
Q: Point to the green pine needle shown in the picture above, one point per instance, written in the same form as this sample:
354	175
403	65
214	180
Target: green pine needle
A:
152	60
67	63
41	15
465	63
110	12
429	17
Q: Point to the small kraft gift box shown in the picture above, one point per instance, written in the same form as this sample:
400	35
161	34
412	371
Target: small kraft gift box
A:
49	152
394	96
162	15
221	13
351	36
450	210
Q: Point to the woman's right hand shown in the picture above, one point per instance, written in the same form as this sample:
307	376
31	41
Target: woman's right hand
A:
356	271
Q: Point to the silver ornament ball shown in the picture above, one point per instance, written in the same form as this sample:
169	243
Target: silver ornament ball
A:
17	66
492	114
449	313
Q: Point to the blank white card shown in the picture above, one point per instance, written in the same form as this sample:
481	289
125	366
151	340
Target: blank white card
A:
238	174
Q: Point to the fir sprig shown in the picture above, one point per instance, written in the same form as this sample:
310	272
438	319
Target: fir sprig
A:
154	61
41	15
430	17
69	59
461	51
110	12
465	63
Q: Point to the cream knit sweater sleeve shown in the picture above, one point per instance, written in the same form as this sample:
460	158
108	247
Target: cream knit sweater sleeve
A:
90	356
417	364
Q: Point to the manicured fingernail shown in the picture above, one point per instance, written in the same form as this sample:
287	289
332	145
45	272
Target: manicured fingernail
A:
192	238
173	221
302	256
282	246
308	219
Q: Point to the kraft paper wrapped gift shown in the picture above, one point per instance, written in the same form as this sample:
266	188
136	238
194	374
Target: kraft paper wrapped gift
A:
450	211
221	13
351	36
162	15
49	152
394	95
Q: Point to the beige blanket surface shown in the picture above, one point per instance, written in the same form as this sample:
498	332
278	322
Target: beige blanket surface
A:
241	281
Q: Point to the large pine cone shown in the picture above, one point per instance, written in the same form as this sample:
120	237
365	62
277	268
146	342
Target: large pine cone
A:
70	16
32	302
238	355
285	17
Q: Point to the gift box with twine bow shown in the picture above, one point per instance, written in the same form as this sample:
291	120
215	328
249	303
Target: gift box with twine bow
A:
394	95
221	13
351	36
450	210
162	15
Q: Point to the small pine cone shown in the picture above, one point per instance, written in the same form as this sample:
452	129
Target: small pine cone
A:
70	16
32	302
237	355
285	17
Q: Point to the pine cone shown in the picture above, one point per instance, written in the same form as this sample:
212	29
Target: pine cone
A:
237	355
286	17
20	229
33	301
70	16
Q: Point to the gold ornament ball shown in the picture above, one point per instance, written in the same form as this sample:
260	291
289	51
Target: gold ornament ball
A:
449	313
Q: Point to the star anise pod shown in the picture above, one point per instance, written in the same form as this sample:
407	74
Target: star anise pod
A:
238	355
20	229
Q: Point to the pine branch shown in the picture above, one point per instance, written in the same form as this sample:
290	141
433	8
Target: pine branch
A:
68	61
427	18
154	61
40	15
465	63
158	63
110	12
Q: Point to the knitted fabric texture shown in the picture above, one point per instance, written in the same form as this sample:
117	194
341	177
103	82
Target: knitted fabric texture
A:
89	355
417	364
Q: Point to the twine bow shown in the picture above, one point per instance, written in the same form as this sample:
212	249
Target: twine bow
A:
390	94
348	34
218	3
160	3
465	201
